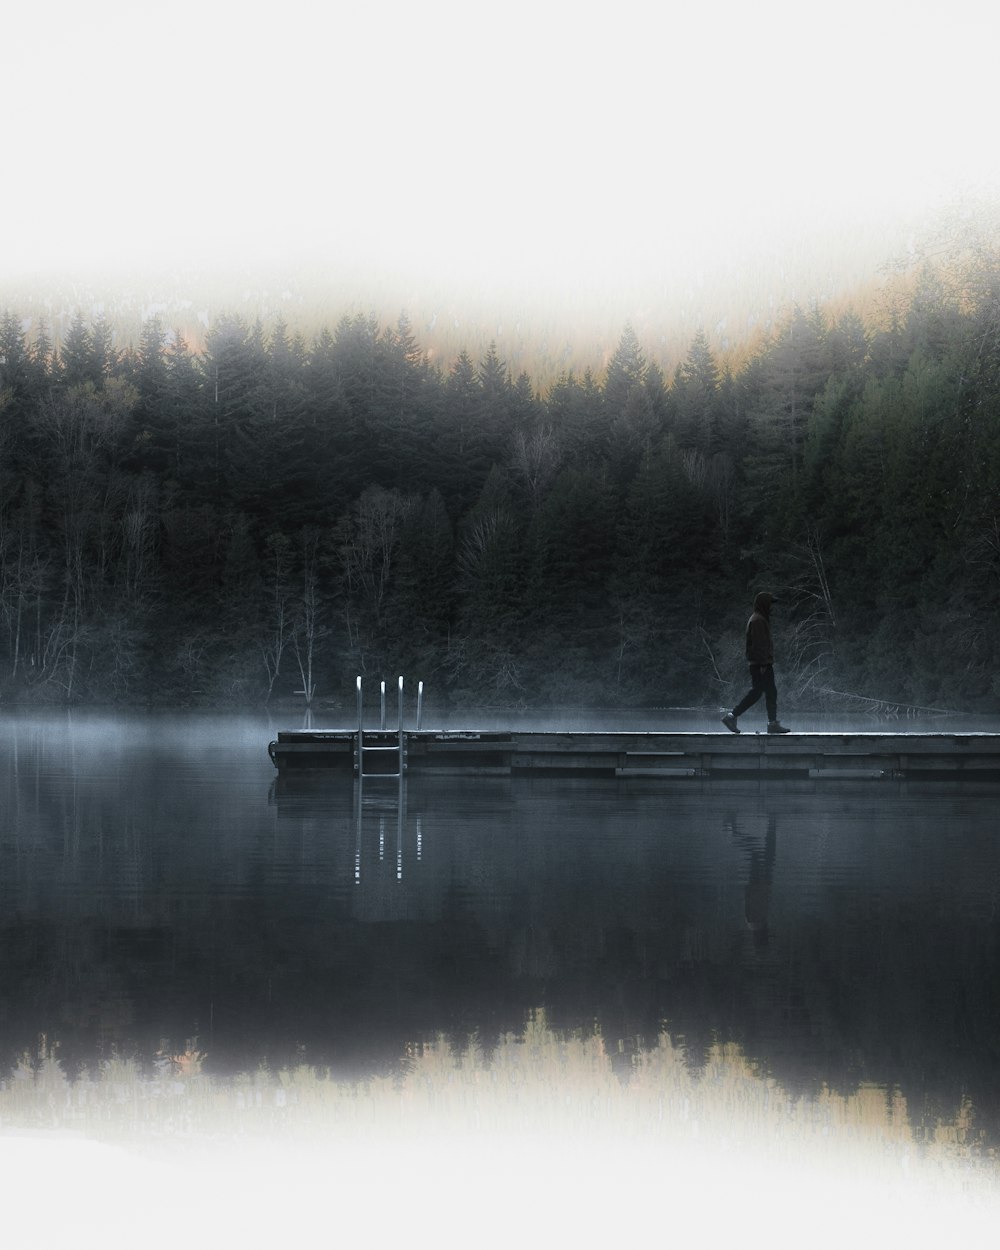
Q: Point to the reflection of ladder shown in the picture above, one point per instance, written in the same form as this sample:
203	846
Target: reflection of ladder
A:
386	807
379	810
386	744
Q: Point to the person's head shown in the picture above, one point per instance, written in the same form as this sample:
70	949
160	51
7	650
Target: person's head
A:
762	602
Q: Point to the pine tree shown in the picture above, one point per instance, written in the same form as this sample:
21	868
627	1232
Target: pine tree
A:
152	440
245	441
76	353
465	457
184	417
326	454
15	399
696	398
626	372
41	357
495	396
15	372
576	409
402	413
847	343
104	358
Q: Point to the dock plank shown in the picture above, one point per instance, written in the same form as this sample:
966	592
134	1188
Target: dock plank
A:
669	753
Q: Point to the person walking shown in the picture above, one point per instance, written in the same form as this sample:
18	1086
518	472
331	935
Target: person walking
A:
760	657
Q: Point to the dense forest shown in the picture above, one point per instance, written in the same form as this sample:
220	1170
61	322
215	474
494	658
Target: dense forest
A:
267	515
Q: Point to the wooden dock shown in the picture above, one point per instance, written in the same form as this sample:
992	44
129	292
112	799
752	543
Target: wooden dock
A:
718	756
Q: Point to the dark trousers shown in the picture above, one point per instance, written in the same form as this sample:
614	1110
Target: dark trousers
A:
762	676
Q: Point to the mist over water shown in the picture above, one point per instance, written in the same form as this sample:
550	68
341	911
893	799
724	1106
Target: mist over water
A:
167	901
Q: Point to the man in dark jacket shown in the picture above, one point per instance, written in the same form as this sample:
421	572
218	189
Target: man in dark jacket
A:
760	657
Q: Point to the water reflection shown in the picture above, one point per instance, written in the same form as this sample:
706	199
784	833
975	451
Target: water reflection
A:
169	905
760	870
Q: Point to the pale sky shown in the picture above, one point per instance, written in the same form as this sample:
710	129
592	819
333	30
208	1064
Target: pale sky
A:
528	146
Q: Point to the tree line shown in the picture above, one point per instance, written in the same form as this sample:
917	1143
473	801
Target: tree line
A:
268	515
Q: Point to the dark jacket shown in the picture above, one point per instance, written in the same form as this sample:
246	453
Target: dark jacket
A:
760	649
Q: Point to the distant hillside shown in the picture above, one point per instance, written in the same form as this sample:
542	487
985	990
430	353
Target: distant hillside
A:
543	333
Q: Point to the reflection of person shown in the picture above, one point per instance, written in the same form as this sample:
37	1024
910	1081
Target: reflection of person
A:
757	896
760	862
760	657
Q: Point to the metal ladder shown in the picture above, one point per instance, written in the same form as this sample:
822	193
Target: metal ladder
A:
382	804
397	737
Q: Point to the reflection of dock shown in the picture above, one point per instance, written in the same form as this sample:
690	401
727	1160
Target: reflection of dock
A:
718	756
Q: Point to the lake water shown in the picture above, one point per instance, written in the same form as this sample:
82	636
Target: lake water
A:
193	949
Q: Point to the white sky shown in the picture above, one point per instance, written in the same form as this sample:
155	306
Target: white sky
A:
520	144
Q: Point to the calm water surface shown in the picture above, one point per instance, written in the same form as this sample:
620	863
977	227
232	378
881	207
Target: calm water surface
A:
163	892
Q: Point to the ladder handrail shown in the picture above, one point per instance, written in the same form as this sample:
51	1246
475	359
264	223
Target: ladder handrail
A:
399	730
400	743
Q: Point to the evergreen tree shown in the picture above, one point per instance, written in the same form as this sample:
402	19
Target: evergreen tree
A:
465	452
76	353
666	559
324	393
41	357
576	410
791	374
368	539
183	406
104	356
284	375
696	398
403	412
15	399
526	409
495	403
847	343
626	372
244	441
153	440
324	455
14	358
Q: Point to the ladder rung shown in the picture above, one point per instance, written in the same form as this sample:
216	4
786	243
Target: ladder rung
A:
393	740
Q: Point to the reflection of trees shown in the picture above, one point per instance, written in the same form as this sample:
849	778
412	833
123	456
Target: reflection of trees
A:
349	996
621	937
532	1080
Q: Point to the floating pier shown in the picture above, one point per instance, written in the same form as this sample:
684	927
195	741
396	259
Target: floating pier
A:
718	756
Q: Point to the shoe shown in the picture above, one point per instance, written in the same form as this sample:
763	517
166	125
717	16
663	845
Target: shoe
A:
729	720
776	727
